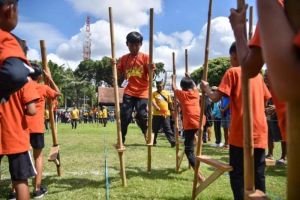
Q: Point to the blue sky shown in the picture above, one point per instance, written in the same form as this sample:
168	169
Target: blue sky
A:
178	25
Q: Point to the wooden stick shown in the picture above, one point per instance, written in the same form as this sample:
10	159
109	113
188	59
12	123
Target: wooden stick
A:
120	146
186	61
249	185
54	152
204	77
150	70
250	22
293	115
176	120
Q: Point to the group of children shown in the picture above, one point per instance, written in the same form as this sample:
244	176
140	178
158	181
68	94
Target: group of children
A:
22	99
22	107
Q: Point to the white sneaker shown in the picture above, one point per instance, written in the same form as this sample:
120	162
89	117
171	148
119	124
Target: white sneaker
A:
214	145
220	145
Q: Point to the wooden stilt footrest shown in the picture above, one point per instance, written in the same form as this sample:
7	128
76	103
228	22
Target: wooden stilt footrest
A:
256	195
53	154
270	162
214	163
150	143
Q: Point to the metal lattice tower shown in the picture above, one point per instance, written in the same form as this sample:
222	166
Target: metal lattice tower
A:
87	40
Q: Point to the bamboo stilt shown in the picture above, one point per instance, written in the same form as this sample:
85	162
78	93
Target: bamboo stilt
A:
293	115
177	149
54	151
120	147
150	70
205	72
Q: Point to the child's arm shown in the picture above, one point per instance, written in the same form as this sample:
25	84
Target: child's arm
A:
250	58
215	96
51	82
31	108
280	53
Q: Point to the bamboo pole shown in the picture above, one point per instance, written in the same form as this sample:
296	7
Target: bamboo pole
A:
176	119
54	151
120	146
293	115
249	184
186	61
204	77
250	22
150	70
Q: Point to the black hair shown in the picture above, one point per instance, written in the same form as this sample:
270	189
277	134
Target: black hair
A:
37	71
134	37
8	2
187	83
232	48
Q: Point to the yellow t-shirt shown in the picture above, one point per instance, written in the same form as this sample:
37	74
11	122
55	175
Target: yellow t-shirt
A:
75	114
161	102
100	114
104	113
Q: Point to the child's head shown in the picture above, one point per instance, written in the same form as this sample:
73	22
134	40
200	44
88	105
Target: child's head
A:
134	41
8	14
233	55
37	75
159	85
187	83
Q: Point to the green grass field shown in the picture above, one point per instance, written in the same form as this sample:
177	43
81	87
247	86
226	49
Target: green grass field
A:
83	155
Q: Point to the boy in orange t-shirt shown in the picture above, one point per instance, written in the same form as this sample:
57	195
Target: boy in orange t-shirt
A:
14	67
37	126
134	68
231	85
189	100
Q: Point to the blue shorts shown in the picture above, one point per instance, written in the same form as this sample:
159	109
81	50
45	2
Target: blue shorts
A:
225	121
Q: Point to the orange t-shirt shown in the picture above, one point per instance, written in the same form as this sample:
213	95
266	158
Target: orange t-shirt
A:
14	135
231	85
9	47
135	69
280	109
36	122
255	40
190	106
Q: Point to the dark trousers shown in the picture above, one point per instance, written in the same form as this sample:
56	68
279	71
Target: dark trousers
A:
74	123
217	127
161	121
237	174
189	136
140	106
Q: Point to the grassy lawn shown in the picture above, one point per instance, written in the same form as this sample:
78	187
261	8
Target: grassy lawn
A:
83	154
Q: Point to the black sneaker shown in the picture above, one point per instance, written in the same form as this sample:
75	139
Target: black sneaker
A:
40	193
173	145
11	195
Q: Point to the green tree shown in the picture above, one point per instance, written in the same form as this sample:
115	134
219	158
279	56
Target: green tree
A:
216	69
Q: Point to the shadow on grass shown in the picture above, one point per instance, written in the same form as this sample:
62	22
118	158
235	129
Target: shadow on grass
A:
276	171
71	184
4	188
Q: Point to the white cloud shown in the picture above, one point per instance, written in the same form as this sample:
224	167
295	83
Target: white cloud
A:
35	31
133	13
33	54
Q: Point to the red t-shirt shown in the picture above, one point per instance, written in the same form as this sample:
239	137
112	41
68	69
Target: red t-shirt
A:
36	122
231	85
189	103
135	69
14	135
9	47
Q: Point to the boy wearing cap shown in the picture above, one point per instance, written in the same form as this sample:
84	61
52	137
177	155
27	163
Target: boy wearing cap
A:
134	68
14	67
161	100
37	126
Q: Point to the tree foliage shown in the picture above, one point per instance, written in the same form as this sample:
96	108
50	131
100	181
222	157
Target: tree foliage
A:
216	69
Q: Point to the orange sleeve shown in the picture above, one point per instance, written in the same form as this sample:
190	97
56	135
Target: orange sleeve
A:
227	83
297	40
178	95
9	47
50	92
120	64
29	92
267	94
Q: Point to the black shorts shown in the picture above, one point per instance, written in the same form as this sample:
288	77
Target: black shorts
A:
20	166
37	140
